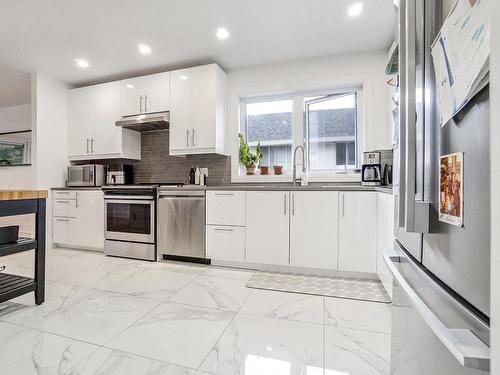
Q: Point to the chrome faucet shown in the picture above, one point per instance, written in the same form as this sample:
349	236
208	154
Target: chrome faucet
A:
295	164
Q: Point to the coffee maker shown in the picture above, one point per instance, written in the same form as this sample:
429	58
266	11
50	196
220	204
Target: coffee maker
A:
371	170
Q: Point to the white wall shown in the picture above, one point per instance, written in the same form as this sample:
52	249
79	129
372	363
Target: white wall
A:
13	119
495	189
367	69
50	112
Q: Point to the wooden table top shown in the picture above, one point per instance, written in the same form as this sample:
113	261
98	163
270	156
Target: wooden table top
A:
11	195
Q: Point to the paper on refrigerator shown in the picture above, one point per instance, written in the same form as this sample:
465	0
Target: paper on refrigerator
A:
461	55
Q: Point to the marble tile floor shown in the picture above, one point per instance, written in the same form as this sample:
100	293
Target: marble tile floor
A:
112	316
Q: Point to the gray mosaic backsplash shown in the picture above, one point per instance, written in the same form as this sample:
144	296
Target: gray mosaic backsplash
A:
156	165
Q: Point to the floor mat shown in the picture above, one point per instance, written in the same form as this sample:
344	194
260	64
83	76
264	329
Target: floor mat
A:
341	287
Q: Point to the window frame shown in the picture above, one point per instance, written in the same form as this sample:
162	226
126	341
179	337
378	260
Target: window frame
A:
299	136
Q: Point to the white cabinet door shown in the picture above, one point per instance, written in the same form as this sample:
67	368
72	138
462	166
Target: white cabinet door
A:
157	97
203	98
80	125
64	231
81	224
267	227
314	229
226	243
180	109
385	237
106	136
91	219
132	95
358	231
226	208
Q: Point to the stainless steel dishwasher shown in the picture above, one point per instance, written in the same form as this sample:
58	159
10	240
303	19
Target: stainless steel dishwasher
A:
181	225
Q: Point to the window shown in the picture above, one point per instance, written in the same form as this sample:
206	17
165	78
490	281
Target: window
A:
270	123
326	123
330	127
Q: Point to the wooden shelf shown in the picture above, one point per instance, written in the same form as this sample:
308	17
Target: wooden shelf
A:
23	244
12	286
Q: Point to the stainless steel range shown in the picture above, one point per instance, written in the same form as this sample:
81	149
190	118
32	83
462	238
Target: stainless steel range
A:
130	221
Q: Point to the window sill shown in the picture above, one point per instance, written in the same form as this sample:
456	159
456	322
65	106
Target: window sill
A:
242	179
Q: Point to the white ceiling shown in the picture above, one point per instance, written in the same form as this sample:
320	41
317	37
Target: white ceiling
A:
46	35
15	86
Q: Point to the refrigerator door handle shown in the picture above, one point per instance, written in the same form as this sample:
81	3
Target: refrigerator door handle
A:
463	344
416	214
402	117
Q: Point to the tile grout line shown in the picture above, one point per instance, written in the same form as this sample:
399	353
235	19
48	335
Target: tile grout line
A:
224	331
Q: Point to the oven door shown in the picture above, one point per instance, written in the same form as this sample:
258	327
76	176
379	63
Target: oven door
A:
130	219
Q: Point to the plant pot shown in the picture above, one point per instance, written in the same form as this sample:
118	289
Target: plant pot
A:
264	170
250	171
278	169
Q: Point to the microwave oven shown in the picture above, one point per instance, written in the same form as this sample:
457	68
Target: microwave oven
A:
85	175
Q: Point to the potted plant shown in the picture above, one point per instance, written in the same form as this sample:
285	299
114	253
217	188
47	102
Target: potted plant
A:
278	169
264	170
249	159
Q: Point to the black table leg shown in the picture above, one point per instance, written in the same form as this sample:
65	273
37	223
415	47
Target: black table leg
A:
40	253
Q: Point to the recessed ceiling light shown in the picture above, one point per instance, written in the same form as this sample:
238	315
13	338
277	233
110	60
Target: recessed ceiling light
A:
183	77
222	33
81	63
355	9
144	49
130	86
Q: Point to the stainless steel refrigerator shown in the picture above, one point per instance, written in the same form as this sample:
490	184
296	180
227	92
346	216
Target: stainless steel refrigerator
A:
441	301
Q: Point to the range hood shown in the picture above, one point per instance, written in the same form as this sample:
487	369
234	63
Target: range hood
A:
145	122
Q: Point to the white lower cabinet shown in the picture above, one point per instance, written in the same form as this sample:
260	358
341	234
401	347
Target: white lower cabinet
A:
385	237
78	221
358	231
314	229
329	230
267	227
225	243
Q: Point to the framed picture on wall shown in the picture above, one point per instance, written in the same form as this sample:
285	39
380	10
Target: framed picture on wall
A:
451	199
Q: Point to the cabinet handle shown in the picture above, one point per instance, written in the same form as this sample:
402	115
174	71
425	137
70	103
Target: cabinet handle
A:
88	141
140	103
293	204
193	138
343	205
223	230
92	145
146	103
284	204
224	194
63	192
187	138
64	220
59	201
76	200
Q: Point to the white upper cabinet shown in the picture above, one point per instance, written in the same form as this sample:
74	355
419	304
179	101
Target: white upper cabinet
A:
267	227
314	229
92	133
147	94
80	123
197	110
180	110
106	110
132	96
358	231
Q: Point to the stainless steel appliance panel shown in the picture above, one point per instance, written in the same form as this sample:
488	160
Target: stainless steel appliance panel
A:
460	256
181	225
129	219
135	250
85	175
432	332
